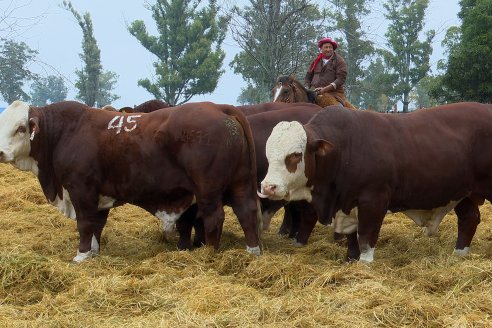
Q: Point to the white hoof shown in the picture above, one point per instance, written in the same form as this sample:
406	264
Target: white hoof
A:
462	252
297	244
367	256
83	256
254	250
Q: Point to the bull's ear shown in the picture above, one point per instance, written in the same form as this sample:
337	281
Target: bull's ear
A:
34	126
320	147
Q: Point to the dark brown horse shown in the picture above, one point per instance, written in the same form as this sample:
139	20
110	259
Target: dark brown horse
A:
289	90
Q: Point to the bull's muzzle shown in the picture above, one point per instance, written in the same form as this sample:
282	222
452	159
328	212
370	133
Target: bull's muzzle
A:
267	190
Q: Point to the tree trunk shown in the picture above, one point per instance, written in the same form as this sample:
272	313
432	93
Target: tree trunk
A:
405	102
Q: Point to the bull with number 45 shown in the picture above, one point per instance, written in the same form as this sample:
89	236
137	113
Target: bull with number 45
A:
88	161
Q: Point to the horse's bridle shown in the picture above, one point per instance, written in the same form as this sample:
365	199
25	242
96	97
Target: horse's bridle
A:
293	93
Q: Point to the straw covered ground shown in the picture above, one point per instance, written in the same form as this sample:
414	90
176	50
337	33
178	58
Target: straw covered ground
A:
140	281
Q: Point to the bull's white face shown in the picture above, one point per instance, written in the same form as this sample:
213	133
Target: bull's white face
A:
285	150
15	145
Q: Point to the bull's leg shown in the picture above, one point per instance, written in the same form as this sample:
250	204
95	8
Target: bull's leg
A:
212	214
184	226
287	226
371	215
307	220
90	221
268	209
87	226
199	239
247	212
99	226
338	237
353	251
468	220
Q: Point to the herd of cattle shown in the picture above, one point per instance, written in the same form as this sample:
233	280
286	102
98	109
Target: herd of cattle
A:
183	164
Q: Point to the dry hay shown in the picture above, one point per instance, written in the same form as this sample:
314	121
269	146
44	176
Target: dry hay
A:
140	281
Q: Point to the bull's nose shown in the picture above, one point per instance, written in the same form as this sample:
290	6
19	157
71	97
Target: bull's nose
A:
269	189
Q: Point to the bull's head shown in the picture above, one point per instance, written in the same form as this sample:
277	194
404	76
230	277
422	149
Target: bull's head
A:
16	130
291	162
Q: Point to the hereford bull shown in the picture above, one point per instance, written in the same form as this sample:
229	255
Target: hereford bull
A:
423	163
89	161
302	216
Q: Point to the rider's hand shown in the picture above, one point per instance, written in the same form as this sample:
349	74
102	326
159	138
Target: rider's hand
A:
329	88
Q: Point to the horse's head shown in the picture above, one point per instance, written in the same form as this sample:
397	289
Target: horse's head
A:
283	91
289	90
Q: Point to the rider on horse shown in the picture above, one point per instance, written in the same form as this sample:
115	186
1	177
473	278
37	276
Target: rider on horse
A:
327	74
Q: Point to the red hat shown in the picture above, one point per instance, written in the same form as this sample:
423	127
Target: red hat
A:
325	40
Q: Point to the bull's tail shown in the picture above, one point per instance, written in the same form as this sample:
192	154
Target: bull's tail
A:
241	118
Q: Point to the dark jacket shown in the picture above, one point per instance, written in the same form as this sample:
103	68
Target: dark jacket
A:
334	71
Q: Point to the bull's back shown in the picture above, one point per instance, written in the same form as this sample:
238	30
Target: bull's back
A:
272	106
209	141
424	158
443	143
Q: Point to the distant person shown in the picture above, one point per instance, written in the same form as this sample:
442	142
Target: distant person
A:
327	74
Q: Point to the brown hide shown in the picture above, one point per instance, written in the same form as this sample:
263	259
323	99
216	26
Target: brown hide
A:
157	161
421	160
262	125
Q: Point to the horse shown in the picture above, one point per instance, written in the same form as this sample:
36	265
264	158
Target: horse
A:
289	90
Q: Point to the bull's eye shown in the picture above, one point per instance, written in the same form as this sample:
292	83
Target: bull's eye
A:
21	129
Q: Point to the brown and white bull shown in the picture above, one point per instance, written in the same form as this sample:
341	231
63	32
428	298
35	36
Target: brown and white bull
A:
89	161
423	164
300	218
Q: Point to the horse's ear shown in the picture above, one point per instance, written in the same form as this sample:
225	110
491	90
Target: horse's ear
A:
292	77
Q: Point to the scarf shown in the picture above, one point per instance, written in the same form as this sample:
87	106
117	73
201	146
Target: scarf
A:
316	61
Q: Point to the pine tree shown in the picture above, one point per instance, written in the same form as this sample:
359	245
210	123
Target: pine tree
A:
89	77
188	49
407	57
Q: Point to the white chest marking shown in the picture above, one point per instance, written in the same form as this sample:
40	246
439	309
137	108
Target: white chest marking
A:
27	164
345	224
105	202
168	220
65	205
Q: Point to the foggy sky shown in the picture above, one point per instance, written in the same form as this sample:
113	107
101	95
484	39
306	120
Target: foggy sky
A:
56	35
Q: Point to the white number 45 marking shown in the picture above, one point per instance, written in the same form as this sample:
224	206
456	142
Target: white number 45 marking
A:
118	121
